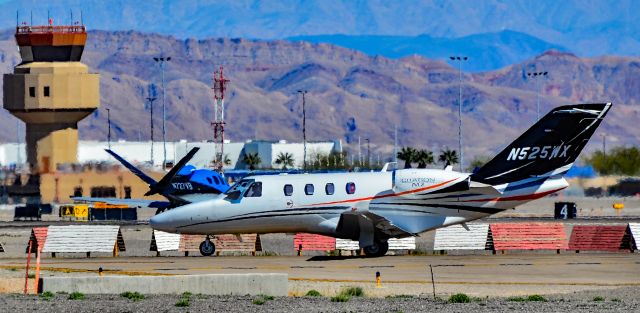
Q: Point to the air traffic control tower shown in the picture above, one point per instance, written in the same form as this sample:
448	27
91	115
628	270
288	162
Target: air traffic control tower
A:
51	90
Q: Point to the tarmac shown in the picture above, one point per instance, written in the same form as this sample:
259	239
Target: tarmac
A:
478	275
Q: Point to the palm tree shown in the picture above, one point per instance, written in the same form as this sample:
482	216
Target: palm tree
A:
285	159
251	159
226	160
408	155
424	158
448	157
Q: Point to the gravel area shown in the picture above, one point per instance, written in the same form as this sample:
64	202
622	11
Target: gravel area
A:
617	300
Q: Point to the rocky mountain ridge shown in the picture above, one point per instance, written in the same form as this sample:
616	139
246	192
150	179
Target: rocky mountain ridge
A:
350	95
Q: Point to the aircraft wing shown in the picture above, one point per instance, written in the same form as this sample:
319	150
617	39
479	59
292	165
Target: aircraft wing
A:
142	203
387	226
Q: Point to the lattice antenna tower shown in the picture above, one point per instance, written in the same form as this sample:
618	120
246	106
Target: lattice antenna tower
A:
219	88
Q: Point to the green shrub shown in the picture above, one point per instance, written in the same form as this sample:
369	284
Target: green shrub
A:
47	295
616	300
341	297
265	297
186	295
459	298
354	292
598	298
535	298
135	296
76	296
313	293
259	301
516	299
183	302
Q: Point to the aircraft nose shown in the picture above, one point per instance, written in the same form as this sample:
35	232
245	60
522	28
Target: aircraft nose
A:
164	221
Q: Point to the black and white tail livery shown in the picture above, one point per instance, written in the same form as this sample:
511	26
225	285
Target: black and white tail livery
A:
548	148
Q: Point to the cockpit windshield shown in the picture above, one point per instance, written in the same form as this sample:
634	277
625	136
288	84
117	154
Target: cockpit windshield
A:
236	191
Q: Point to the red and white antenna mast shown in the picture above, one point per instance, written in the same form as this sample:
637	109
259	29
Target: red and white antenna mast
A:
219	87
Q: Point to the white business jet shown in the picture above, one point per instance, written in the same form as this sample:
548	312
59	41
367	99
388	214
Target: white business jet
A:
373	207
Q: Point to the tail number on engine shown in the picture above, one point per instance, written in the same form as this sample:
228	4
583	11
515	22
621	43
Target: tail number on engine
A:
532	153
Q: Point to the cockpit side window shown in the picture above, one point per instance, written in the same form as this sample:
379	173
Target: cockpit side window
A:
255	190
235	192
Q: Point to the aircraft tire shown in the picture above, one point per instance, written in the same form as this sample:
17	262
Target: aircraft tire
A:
207	248
378	249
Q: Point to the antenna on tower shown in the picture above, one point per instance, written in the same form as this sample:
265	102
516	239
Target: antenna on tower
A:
219	87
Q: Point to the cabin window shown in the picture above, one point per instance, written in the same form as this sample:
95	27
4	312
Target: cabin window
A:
351	188
32	92
215	179
329	188
255	190
308	189
46	91
288	190
209	180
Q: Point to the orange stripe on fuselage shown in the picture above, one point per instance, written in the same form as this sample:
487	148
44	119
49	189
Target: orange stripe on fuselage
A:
532	196
384	196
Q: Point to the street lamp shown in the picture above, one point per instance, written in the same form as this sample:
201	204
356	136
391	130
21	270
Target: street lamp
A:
368	153
151	98
536	76
460	59
109	127
161	60
304	129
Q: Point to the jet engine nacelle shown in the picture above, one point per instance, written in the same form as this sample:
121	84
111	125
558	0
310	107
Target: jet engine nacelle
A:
429	180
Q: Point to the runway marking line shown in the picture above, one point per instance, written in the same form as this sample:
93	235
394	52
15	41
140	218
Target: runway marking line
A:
106	271
426	282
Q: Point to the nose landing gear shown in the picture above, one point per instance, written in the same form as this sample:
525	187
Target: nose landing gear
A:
207	248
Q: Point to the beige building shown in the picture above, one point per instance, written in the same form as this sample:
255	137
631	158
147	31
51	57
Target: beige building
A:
51	91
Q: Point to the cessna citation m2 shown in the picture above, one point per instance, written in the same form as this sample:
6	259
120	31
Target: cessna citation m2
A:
373	207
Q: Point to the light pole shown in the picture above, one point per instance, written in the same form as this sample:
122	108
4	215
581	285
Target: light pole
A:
151	98
109	126
536	76
460	59
304	129
368	153
161	60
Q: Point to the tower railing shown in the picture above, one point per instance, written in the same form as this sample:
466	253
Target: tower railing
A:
76	29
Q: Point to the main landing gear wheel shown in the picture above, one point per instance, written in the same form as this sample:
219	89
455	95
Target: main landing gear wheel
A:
378	248
207	247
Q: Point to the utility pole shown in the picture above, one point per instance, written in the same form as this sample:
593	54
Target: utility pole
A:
151	98
536	76
109	126
460	59
18	155
304	129
395	144
359	152
162	61
368	153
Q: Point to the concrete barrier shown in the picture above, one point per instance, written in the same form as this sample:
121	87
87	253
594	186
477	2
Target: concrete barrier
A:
273	284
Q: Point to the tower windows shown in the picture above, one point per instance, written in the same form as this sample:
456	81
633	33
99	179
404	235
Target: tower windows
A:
32	92
46	91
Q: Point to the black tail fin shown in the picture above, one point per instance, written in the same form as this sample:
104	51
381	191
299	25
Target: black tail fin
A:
166	179
548	148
